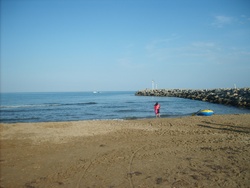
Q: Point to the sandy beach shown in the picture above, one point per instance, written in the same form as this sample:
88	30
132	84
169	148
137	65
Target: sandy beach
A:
166	152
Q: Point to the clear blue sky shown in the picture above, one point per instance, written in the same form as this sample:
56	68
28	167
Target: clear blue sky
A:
113	45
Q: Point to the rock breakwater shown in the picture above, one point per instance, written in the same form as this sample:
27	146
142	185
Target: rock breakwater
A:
239	97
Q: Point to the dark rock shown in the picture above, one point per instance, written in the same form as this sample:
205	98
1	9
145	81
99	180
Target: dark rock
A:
236	97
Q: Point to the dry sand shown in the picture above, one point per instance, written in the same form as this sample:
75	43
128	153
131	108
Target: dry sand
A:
167	152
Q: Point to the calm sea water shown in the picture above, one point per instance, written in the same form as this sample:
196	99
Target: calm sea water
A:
75	106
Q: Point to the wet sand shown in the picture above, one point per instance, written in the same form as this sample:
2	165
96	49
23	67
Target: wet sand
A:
166	152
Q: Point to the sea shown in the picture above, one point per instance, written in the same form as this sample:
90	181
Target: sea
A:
109	105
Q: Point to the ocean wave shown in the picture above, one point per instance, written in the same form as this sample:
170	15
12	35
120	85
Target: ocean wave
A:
16	120
81	104
47	105
131	118
29	106
126	110
113	107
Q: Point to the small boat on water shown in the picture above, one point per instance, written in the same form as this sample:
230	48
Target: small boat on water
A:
205	112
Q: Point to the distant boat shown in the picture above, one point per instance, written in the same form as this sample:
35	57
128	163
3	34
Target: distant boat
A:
96	92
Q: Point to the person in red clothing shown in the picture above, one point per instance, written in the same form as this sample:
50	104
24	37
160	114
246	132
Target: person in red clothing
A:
157	109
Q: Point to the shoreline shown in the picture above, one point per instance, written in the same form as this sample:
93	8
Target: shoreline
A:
193	151
163	116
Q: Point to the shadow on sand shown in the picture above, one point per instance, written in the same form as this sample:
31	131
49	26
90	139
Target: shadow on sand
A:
224	127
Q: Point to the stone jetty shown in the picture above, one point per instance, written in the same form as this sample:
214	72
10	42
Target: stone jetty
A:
239	97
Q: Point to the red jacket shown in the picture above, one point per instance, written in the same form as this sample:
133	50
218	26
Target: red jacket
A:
157	107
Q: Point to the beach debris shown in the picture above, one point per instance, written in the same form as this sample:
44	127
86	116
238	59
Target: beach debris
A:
137	173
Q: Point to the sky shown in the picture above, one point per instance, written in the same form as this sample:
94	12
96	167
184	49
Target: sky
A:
122	45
